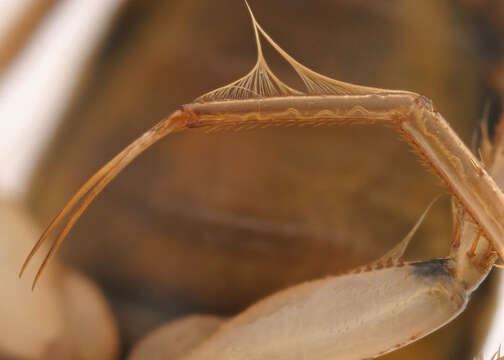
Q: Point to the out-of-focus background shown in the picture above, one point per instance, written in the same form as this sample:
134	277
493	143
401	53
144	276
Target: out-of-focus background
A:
210	223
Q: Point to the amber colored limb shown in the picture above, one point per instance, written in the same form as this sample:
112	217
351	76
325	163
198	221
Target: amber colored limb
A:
88	192
413	116
84	189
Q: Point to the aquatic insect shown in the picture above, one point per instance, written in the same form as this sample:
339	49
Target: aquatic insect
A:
323	318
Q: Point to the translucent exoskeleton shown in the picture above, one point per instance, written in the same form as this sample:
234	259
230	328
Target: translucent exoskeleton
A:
378	307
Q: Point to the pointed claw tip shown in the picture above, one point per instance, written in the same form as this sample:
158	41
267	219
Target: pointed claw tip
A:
35	281
23	268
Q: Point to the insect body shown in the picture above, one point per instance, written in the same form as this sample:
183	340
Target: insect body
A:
354	316
369	312
375	309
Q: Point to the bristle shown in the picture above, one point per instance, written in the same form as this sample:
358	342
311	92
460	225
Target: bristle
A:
398	251
421	157
261	82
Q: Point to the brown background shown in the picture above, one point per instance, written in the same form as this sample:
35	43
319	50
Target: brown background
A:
212	222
